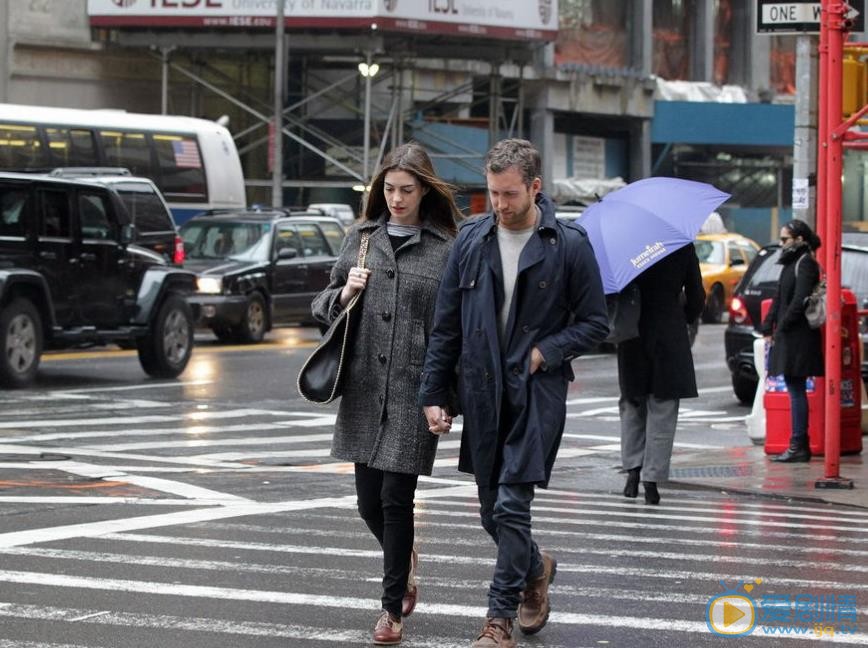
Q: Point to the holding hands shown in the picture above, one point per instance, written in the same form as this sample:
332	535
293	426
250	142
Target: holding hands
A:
439	420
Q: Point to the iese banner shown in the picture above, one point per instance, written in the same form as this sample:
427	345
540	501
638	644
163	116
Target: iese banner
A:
516	19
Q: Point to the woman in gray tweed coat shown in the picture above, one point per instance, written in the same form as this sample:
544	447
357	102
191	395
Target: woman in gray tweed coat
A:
410	222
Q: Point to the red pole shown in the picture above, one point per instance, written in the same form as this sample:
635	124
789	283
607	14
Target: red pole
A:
831	90
822	134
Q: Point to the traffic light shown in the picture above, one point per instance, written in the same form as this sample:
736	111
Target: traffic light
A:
855	84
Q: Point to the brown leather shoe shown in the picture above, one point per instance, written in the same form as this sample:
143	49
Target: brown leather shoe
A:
388	630
496	633
533	611
408	604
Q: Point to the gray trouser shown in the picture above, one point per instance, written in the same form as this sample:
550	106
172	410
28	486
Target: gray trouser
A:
647	433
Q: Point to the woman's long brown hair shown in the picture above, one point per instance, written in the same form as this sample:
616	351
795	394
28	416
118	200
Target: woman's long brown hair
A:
438	204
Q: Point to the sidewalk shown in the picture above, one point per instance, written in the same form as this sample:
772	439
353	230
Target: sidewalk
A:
748	470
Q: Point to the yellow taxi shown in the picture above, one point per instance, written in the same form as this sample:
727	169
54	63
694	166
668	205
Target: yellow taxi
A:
723	259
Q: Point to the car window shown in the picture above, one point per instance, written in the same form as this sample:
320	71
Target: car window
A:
181	172
12	211
335	235
21	148
748	250
54	219
71	147
709	251
146	209
129	150
287	237
219	240
767	270
93	215
312	241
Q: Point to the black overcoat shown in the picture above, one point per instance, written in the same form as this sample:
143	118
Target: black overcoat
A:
797	349
659	362
558	306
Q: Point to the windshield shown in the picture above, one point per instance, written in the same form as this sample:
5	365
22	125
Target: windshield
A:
710	252
222	240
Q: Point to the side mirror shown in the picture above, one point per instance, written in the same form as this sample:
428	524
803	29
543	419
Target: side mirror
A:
128	233
287	253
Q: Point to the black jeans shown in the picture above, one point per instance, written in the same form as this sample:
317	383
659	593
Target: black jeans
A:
505	512
386	506
798	409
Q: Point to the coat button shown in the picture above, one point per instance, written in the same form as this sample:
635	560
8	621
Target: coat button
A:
380	398
516	371
525	329
472	283
553	241
542	284
382	358
386	316
390	273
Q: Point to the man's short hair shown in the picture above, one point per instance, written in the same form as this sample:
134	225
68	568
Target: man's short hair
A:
518	153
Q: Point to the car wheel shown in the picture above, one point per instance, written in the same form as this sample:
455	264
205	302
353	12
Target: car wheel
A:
165	350
713	313
20	342
744	388
255	322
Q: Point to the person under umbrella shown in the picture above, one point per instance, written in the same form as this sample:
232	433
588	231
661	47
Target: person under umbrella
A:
642	236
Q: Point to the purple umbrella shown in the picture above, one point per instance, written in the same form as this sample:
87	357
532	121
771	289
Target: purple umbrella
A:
634	227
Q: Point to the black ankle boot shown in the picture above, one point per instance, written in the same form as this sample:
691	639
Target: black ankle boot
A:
652	495
798	452
631	488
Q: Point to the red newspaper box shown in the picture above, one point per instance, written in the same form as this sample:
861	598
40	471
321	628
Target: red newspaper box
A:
777	402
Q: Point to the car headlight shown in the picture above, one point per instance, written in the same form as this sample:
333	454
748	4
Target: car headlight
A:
209	285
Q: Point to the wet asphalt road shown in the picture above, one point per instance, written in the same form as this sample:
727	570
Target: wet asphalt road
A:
207	512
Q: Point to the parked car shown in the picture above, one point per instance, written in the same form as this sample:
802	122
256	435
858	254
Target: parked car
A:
71	276
759	283
148	211
259	269
344	213
723	260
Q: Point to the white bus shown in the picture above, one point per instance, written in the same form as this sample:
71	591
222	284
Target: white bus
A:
194	162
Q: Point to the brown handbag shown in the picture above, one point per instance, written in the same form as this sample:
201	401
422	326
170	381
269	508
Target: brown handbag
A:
319	380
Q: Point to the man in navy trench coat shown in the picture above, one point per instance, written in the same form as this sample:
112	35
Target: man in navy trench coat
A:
514	367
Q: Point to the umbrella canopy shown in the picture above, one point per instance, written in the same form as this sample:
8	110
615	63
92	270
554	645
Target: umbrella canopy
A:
633	228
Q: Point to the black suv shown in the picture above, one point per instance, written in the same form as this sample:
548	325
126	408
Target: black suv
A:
759	283
259	269
148	211
70	276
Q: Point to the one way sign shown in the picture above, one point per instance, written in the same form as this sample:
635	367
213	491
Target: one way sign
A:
800	16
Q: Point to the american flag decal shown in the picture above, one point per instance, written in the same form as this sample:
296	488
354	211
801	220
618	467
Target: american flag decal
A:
186	154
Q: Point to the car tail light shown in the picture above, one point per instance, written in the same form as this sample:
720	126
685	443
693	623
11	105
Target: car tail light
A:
738	311
178	256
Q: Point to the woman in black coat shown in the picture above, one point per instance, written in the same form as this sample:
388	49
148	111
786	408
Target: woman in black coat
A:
796	348
655	370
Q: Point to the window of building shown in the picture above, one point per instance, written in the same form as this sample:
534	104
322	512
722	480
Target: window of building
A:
722	40
593	32
783	62
672	22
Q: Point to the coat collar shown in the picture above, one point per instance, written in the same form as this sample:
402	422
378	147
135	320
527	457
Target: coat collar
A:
381	221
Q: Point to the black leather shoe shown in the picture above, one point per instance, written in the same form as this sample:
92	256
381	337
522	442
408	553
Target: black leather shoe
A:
631	488
800	454
652	495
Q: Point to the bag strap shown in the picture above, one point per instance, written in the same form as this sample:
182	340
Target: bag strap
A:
363	249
